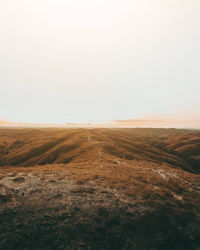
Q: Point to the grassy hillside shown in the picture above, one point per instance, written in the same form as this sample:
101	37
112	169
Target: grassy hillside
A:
27	147
99	189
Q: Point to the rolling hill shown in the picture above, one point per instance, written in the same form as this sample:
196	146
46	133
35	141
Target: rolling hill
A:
99	188
28	147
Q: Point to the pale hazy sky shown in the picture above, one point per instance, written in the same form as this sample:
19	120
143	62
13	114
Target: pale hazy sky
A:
93	60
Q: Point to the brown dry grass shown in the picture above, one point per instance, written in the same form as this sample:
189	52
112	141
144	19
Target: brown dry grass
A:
122	189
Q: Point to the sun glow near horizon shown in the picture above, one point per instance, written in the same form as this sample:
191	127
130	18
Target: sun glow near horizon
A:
91	61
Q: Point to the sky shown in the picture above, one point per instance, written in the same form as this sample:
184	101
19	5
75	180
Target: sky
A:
97	60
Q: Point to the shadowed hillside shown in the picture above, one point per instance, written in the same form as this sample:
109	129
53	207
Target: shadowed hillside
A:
99	189
27	147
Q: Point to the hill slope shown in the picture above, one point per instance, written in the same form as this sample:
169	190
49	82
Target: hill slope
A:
28	147
99	189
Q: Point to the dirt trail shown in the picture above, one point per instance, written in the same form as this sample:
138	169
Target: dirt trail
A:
97	144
